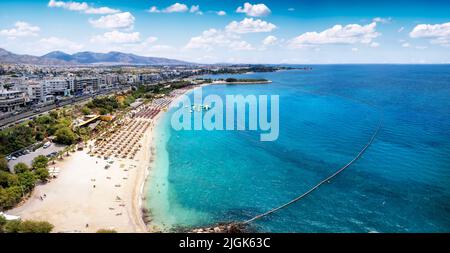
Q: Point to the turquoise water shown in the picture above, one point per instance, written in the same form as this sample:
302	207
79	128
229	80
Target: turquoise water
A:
401	183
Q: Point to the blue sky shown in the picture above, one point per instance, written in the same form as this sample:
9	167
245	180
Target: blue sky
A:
211	31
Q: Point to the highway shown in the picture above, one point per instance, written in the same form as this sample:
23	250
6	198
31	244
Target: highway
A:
6	122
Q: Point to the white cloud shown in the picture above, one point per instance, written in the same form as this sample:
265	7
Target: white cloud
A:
73	6
338	34
196	9
382	20
21	29
213	38
241	45
255	10
250	25
270	40
176	7
221	13
114	21
401	29
229	37
116	37
355	49
374	44
154	9
438	33
151	39
61	44
101	10
81	7
406	44
208	39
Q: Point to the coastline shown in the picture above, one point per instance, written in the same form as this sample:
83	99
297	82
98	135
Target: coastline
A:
93	192
146	180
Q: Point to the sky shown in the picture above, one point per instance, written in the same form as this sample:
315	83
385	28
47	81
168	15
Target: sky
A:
232	31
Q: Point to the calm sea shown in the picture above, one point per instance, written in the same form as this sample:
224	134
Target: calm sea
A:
400	184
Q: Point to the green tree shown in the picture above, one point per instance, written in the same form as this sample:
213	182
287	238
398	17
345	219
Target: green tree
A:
39	162
42	174
20	168
2	223
103	111
27	180
29	226
65	136
106	231
39	135
3	163
7	179
15	138
9	197
85	110
12	226
45	120
54	114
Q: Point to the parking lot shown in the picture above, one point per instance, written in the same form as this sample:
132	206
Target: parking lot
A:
28	158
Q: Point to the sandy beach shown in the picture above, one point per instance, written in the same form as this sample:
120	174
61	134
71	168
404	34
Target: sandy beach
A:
86	197
92	192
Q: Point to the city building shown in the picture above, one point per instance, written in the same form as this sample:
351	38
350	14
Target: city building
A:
11	100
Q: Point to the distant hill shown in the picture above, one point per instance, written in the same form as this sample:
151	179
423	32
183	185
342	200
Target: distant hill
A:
8	57
84	58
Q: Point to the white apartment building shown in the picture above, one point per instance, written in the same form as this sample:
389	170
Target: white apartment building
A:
11	100
36	92
56	86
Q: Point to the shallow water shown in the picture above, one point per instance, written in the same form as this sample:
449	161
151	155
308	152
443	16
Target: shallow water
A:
400	184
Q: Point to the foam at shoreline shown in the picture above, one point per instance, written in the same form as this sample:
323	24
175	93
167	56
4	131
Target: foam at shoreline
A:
159	198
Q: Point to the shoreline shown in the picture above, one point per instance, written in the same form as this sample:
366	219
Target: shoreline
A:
146	179
103	186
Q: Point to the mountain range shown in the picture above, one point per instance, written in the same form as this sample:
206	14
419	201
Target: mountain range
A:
86	58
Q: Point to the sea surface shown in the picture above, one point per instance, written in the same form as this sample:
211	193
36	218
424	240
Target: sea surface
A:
327	114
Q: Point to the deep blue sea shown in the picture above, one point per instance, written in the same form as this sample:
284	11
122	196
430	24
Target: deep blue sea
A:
400	184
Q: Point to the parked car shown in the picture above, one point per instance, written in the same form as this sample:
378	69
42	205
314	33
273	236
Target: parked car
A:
51	155
46	145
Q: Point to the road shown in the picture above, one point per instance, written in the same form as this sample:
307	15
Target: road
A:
4	123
